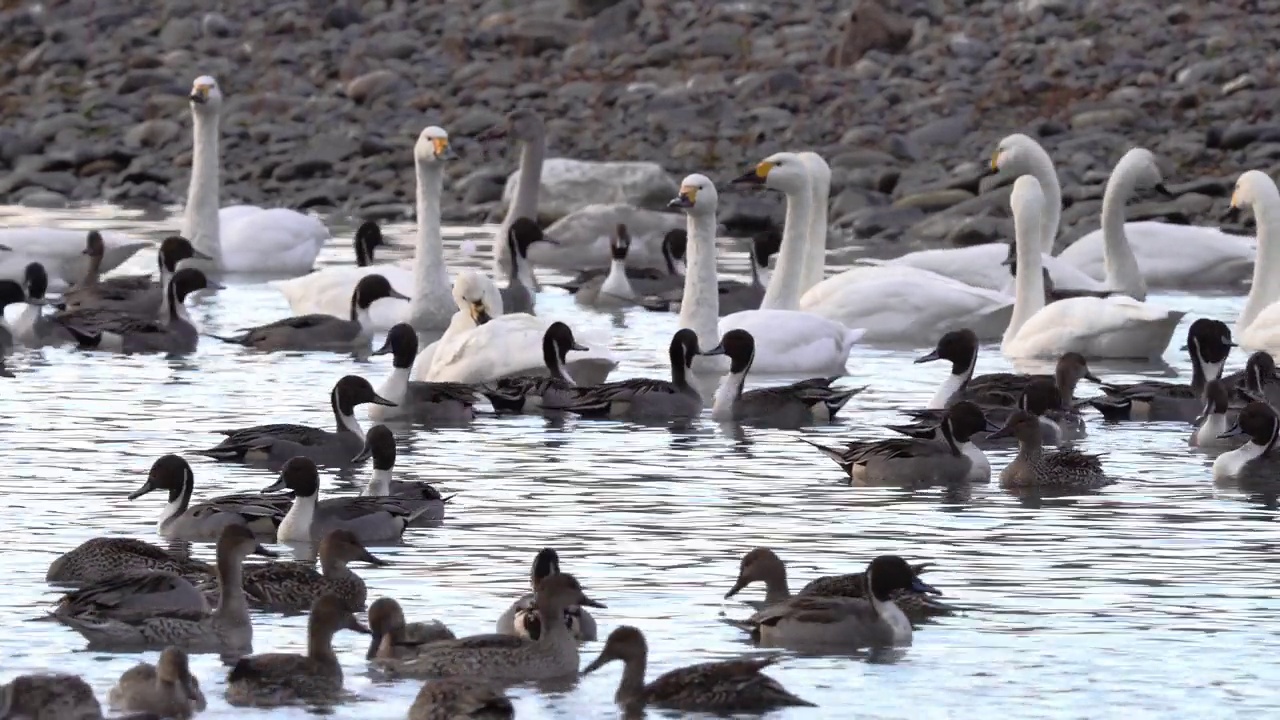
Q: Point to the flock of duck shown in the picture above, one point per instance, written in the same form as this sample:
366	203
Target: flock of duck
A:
493	350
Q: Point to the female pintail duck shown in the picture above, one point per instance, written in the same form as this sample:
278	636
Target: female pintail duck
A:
100	329
227	629
1256	458
105	558
294	586
1258	377
807	621
393	638
525	393
33	328
322	332
724	687
504	657
380	444
50	696
204	521
1035	468
133	592
1212	423
522	619
370	519
1040	397
614	290
86	288
459	698
917	461
644	397
166	689
280	442
518	296
763	565
1208	343
416	399
802	403
11	293
137	294
275	679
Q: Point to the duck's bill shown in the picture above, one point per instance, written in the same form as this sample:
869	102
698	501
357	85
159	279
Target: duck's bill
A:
579	347
992	427
260	550
1092	378
1003	432
146	488
737	587
5	248
1233	431
385	349
717	350
372	559
363	455
275	487
199	255
211	285
379	400
359	627
398	295
928	357
588	602
596	664
920	586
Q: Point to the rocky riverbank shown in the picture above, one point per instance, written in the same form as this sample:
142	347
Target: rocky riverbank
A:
905	98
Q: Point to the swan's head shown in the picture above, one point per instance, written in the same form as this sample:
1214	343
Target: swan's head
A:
433	145
785	171
1017	154
477	296
697	195
819	170
1254	189
1139	168
1027	199
205	95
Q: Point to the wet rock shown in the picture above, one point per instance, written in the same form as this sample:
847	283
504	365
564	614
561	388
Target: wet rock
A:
869	26
44	199
570	184
373	85
592	223
933	200
152	133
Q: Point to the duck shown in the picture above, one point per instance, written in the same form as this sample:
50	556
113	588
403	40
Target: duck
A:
415	399
280	442
106	558
919	461
166	689
644	397
1208	343
132	592
226	629
503	657
393	638
33	328
137	294
276	679
1040	397
1212	423
11	293
61	252
1254	460
204	521
239	238
4	371
646	282
763	565
522	618
526	393
816	621
1035	468
1111	327
1259	376
1006	388
86	289
380	444
800	403
458	698
49	696
113	331
736	296
322	332
519	295
1256	325
960	348
614	290
1053	293
370	519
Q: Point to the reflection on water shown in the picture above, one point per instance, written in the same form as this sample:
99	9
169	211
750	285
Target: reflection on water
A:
1153	597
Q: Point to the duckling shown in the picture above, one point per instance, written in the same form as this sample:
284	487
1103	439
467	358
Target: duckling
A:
51	696
106	558
205	520
280	442
276	679
380	444
1212	423
525	393
643	397
394	638
371	519
522	619
166	689
137	294
1035	468
113	331
728	686
1255	460
797	404
33	328
419	400
322	332
457	698
133	592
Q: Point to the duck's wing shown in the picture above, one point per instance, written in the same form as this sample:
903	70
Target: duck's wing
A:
260	436
262	333
598	398
440	392
250	506
123	592
727	684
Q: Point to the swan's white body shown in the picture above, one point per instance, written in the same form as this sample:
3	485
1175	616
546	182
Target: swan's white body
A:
1258	326
981	266
61	252
240	238
1112	327
328	292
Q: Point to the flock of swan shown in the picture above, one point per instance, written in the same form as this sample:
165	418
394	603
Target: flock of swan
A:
490	345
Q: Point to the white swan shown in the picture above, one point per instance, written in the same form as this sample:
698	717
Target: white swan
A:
1258	326
820	187
240	238
430	307
61	252
527	128
1111	327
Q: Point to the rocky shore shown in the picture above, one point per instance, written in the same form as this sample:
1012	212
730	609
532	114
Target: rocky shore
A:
905	98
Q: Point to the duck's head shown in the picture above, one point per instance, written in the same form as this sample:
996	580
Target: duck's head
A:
1216	400
476	295
386	619
1209	341
759	565
1257	421
684	348
1017	154
353	390
764	245
36	281
545	564
298	475
11	293
372	288
433	145
739	346
1259	370
379	444
94	245
625	643
959	347
329	614
238	541
620	243
169	472
205	95
965	419
367	241
401	344
174	669
560	337
340	547
174	249
1072	368
697	196
785	171
188	280
1022	425
523	234
561	591
675	243
888	573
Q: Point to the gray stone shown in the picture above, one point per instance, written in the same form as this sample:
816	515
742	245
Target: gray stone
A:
152	133
933	200
373	85
43	199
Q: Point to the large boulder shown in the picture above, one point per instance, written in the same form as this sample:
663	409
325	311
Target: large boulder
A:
570	184
583	237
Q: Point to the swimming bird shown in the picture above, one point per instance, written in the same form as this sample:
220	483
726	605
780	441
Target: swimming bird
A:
380	444
133	592
522	618
519	294
1259	377
644	397
614	290
1040	397
205	520
33	328
458	698
49	696
1256	459
370	519
114	331
526	393
1212	423
420	400
86	288
393	638
166	689
1035	468
649	285
106	558
137	294
11	293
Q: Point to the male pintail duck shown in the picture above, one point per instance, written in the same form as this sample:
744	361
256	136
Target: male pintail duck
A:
518	296
458	698
504	657
1208	343
113	331
1040	397
724	687
522	619
380	444
11	293
917	461
133	592
960	348
644	397
646	281
416	399
525	393
227	629
393	638
763	565
166	689
137	294
1035	468
322	332
1259	377
370	519
614	289
275	679
33	328
106	558
280	442
798	404
1256	459
204	521
1212	423
51	696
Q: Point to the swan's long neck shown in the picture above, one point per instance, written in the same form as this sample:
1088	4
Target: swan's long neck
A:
525	201
429	275
200	219
700	304
1122	269
816	260
1266	271
1042	169
1028	296
783	292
